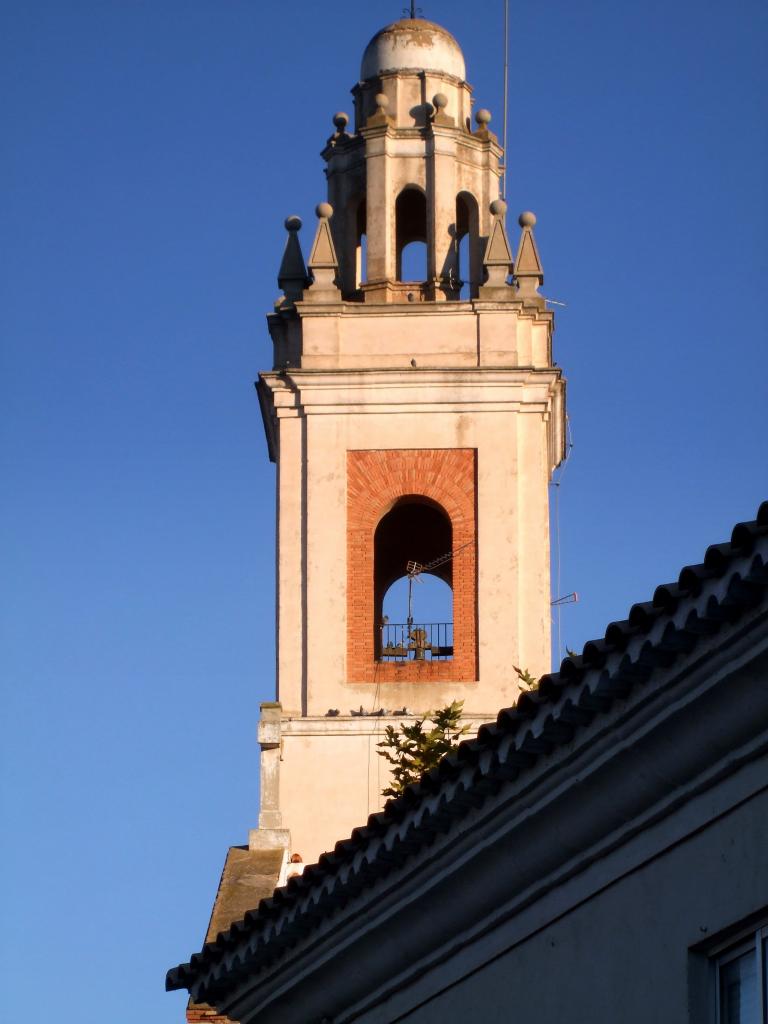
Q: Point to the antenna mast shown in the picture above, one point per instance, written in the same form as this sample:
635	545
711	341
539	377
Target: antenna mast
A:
503	181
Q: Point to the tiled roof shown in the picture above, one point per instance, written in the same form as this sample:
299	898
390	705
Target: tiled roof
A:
248	877
706	599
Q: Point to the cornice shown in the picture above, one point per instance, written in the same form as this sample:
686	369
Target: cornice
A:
343	309
420	389
360	725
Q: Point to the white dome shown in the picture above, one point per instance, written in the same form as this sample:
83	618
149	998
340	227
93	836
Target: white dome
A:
413	45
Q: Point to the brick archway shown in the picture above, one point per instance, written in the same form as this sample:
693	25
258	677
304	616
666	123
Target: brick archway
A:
376	480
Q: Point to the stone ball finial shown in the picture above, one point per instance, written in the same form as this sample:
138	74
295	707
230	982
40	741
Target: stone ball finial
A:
381	101
498	207
483	117
440	100
324	211
526	219
340	120
293	223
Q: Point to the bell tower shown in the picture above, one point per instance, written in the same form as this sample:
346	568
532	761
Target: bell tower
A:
415	416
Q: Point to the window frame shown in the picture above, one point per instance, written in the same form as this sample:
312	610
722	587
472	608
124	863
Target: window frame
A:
754	940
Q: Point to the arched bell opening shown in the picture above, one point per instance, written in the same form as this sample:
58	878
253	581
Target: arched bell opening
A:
361	245
411	235
413	568
349	227
468	256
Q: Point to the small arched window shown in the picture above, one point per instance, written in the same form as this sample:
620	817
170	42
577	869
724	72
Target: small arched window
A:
413	606
361	275
411	235
468	256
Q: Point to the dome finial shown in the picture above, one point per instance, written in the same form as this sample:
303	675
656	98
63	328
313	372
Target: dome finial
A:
529	272
322	261
292	275
498	257
340	121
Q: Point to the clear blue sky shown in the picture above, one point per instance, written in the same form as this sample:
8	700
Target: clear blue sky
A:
152	150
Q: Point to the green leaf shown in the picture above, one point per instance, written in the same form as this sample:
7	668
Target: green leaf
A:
527	681
414	751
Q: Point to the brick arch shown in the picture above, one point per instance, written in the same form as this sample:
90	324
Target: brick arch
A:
377	509
376	480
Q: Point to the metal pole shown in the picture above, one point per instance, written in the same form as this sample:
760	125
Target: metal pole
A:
503	181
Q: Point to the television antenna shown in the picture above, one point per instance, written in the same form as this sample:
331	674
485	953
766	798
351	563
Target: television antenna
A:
505	116
413	571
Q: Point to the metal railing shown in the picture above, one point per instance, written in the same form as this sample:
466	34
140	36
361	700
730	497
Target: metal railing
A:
416	641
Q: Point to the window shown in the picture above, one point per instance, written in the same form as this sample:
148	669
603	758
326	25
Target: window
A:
741	980
468	266
411	235
361	247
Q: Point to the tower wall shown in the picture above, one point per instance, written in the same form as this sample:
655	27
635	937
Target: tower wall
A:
504	418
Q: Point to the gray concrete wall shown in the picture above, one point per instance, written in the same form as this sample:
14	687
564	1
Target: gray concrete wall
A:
624	955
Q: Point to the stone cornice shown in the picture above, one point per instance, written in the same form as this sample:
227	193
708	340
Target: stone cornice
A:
299	393
457	134
360	725
340	155
303	392
356	309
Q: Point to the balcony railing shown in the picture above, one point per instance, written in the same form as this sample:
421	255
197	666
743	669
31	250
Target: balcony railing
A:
416	641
